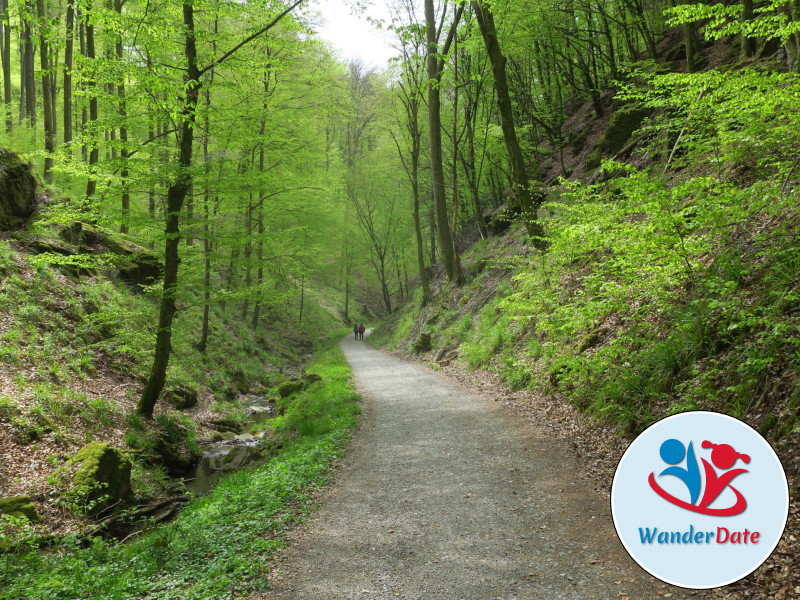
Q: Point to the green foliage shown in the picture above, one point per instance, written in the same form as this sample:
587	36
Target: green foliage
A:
219	546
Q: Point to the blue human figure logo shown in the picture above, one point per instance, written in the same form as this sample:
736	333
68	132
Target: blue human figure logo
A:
672	452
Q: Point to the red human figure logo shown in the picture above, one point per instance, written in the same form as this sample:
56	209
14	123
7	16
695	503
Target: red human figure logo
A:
724	457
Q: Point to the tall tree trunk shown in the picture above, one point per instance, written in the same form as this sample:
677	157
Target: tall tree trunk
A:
302	298
47	104
468	161
206	213
260	258
455	146
175	198
748	43
248	254
423	272
5	59
346	288
28	71
435	65
68	49
529	201
123	133
261	199
84	110
94	151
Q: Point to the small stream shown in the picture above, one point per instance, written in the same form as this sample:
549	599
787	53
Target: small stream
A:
233	454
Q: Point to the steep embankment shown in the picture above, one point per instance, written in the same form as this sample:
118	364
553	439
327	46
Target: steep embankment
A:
671	285
78	312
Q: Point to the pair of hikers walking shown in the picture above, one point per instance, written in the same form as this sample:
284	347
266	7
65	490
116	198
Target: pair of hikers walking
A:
358	331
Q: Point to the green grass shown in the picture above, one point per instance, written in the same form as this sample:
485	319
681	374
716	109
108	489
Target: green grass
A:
219	546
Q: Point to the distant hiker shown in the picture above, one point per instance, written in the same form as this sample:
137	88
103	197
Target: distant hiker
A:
361	331
355	330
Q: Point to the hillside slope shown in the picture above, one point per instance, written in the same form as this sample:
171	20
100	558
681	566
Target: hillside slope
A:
671	282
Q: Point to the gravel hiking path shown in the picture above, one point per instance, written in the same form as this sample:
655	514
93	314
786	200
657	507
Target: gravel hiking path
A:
445	496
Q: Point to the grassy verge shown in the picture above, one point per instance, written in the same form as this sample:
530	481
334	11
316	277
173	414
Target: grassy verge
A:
220	544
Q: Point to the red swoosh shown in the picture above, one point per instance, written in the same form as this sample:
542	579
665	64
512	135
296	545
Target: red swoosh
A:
737	508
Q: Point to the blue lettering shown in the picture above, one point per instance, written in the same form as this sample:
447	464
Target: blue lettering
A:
647	537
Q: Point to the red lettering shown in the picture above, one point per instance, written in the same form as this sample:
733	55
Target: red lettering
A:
720	539
736	537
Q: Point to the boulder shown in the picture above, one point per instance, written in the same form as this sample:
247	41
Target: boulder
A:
20	506
240	382
134	263
423	344
105	471
226	424
310	378
176	457
291	386
181	397
17	191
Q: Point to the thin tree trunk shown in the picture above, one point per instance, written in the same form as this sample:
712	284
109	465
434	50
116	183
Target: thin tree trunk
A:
68	49
423	272
529	202
175	198
123	133
28	74
435	65
94	152
455	145
206	213
748	43
47	105
248	253
5	58
260	258
302	298
84	110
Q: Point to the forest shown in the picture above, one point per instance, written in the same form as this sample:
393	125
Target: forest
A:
596	200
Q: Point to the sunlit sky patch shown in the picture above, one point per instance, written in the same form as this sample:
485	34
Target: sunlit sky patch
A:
351	34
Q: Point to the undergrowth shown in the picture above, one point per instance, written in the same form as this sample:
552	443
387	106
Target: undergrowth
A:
219	546
661	291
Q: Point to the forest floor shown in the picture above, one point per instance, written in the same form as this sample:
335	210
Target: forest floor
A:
447	494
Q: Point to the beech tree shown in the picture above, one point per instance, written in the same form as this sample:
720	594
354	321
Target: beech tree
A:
177	194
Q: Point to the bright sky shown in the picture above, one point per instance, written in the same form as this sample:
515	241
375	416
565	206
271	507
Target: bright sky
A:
352	35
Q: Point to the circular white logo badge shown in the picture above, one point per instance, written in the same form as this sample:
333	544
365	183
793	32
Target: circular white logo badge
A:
699	500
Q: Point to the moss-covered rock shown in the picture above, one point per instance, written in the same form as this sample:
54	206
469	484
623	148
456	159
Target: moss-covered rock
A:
621	125
768	424
590	340
20	506
240	382
134	263
105	474
17	191
291	386
228	424
310	378
593	159
181	397
423	344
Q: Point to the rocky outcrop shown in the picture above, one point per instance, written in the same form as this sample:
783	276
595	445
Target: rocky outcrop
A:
20	506
135	264
104	473
17	191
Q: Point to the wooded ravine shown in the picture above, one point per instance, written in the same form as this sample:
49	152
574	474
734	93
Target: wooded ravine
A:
589	201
